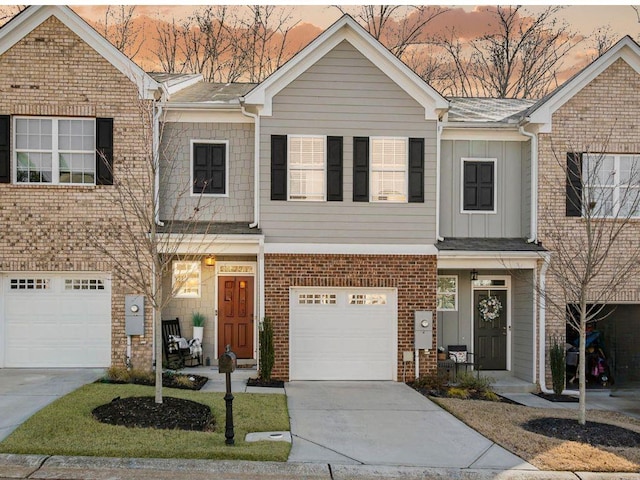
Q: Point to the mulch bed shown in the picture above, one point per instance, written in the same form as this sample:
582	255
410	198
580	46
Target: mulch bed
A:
173	413
258	382
593	433
552	397
169	380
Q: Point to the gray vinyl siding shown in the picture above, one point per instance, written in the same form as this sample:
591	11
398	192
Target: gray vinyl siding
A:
345	95
455	327
511	207
522	325
177	203
525	188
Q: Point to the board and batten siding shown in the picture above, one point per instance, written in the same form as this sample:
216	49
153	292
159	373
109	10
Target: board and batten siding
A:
176	200
344	94
512	172
522	325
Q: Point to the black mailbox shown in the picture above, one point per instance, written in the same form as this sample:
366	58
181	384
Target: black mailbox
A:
227	362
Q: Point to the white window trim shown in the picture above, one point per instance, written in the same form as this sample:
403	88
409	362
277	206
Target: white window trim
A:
55	153
406	169
177	293
456	293
324	169
192	143
495	186
616	183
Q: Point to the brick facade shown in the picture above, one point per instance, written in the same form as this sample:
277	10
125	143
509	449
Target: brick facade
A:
602	117
53	72
414	277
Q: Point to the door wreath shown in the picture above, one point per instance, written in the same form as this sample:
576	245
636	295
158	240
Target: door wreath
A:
489	308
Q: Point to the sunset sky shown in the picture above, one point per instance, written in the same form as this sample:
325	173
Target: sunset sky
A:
466	19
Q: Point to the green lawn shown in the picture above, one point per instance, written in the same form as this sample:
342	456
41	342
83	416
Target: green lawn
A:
66	427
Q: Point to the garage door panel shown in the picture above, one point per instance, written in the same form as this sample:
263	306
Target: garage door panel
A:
56	326
343	341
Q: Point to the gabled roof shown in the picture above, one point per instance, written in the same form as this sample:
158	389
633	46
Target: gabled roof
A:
26	21
346	28
542	111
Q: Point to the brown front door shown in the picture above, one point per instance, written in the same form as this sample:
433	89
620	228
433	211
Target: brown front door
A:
491	335
235	315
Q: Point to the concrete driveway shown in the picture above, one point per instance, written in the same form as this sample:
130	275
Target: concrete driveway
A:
384	423
25	391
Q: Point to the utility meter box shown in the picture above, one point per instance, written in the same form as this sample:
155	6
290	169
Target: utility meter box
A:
423	329
134	315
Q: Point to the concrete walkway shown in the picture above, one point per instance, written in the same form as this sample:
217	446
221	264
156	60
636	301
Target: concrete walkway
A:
384	423
25	391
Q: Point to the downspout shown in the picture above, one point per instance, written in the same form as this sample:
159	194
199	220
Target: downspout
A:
155	145
534	185
438	150
256	164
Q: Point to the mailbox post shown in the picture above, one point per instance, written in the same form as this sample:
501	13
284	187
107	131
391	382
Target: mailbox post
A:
227	364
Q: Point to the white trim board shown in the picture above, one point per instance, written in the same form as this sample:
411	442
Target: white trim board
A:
349	249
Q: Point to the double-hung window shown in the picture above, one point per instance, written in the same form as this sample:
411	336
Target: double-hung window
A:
389	158
307	167
186	281
55	150
447	293
612	184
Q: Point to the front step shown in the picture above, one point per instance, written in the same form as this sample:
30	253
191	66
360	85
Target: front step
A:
504	382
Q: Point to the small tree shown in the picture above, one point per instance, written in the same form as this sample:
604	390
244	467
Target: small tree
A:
594	250
267	351
147	245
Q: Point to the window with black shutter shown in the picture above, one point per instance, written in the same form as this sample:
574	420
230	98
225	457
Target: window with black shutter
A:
210	168
478	185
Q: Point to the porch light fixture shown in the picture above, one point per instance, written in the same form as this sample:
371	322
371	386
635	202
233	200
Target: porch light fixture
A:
210	260
474	275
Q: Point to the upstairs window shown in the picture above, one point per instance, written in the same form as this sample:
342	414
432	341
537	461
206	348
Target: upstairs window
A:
55	151
307	159
478	185
209	168
389	158
611	185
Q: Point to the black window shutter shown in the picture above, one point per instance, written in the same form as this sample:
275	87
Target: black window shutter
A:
486	184
478	186
360	169
334	169
209	168
104	151
278	167
5	149
416	170
574	184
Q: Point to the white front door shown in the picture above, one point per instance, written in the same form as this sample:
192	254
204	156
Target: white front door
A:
343	334
57	320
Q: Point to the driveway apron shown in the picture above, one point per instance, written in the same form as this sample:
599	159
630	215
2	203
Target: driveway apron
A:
25	391
384	423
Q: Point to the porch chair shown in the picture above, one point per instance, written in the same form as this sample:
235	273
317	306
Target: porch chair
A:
177	349
462	357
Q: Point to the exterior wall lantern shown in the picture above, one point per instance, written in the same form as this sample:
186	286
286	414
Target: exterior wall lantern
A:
474	275
210	260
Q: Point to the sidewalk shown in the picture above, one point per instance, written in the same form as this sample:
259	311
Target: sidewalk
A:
93	468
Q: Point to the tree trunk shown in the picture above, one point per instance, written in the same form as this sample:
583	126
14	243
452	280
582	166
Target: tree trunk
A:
158	337
582	377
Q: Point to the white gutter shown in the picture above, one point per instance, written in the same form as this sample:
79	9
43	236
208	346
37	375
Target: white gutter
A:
256	166
533	238
438	153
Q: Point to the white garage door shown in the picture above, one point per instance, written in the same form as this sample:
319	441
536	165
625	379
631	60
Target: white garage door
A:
342	334
55	320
